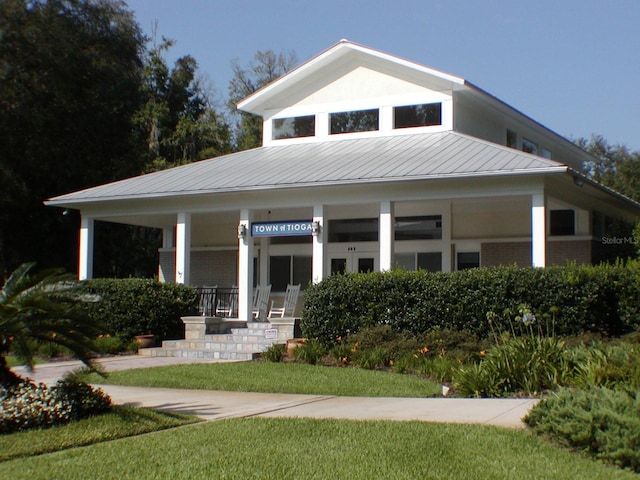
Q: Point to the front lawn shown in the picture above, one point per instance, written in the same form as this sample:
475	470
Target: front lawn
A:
121	421
277	378
259	448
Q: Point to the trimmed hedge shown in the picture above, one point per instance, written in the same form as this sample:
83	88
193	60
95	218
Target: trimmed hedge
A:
600	299
136	306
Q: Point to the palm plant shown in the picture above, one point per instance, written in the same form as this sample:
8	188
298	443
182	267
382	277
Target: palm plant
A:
43	307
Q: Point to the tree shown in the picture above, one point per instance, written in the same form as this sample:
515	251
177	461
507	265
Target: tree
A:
177	118
70	72
616	166
40	307
266	67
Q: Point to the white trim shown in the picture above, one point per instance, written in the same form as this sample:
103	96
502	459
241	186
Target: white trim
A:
85	260
386	235
183	248
538	230
319	244
245	267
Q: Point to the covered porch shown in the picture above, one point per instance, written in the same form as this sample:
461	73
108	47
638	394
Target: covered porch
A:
302	238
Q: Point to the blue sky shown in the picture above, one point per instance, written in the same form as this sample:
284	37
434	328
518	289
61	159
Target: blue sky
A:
572	65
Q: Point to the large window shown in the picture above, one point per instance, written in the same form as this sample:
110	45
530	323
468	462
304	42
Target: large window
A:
355	121
468	260
294	127
417	115
429	261
353	230
529	147
563	222
427	227
288	269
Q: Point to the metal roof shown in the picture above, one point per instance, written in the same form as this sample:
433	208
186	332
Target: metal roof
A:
337	162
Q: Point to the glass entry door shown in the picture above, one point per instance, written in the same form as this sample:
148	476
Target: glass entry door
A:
353	261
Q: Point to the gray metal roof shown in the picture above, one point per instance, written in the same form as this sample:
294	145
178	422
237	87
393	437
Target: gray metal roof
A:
337	162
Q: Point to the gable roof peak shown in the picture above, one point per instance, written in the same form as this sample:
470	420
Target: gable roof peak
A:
343	51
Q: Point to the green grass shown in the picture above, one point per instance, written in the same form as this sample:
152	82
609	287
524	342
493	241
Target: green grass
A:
258	448
121	422
13	361
277	378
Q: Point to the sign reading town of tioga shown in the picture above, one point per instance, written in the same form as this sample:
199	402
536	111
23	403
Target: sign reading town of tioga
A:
281	229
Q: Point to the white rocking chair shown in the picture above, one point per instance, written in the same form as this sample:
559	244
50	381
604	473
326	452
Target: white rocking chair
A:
288	308
261	302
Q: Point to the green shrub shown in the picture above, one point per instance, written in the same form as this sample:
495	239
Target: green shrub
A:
598	421
528	364
599	299
274	353
607	366
372	358
311	351
109	344
137	306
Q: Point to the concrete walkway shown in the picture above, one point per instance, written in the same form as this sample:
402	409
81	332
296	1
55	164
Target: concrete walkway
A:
215	405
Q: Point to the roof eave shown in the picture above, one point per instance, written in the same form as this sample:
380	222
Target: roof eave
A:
78	203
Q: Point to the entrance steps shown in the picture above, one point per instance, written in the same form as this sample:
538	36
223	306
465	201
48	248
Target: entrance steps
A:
243	341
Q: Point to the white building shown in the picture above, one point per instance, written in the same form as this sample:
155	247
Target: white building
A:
369	161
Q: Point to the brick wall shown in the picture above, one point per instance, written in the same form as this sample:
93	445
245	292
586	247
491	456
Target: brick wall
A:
559	253
208	267
505	253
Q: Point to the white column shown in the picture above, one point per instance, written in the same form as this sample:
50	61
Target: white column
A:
319	243
386	235
245	266
263	279
85	254
183	248
538	230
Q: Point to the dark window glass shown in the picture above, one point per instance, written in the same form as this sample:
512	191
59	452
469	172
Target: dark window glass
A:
302	271
365	265
529	147
357	121
563	222
294	127
279	272
285	269
418	228
353	230
290	239
512	139
338	265
468	260
430	261
417	115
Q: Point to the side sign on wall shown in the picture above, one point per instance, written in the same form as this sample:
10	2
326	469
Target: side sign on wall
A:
281	229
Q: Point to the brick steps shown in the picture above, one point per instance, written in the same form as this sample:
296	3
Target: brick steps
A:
242	343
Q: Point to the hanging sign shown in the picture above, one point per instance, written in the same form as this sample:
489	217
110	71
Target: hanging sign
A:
281	229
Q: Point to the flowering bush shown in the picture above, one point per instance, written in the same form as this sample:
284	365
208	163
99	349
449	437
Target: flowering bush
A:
28	405
523	360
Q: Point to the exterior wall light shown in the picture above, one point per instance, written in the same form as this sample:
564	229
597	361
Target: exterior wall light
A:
242	230
315	228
